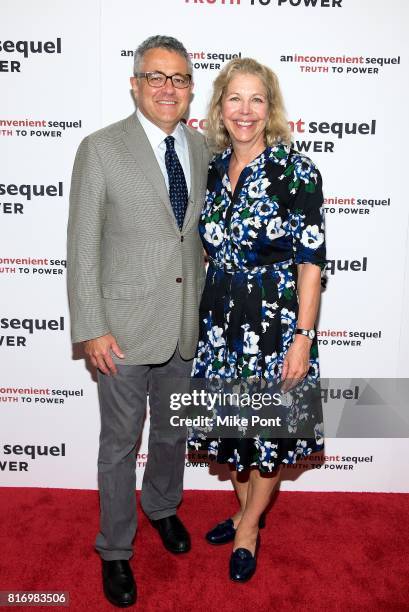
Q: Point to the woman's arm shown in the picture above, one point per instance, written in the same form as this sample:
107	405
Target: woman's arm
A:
309	294
296	362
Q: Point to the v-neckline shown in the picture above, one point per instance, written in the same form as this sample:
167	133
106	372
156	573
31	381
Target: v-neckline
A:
239	184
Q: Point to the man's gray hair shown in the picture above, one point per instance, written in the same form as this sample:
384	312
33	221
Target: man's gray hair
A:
162	42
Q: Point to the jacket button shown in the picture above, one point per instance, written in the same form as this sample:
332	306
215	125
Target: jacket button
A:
178	280
181	239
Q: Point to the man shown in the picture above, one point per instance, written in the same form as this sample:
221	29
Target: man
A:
135	276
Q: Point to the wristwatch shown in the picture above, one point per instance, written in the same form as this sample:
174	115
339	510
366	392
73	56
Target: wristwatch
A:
310	333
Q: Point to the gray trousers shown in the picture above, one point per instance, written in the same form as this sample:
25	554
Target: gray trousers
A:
123	402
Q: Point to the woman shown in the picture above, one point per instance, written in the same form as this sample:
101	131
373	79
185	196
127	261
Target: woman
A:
263	231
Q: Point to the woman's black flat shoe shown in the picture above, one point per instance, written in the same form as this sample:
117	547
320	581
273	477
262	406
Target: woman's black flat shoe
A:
225	532
243	564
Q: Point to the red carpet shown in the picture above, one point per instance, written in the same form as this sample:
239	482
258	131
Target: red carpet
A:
320	551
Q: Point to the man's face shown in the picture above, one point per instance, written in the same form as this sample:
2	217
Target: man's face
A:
165	105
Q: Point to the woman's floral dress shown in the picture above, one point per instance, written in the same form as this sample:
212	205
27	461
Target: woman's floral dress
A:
254	239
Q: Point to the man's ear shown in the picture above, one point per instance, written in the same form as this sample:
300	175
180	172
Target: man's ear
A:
134	84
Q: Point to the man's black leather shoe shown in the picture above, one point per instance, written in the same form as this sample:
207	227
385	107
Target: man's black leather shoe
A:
119	584
225	532
173	533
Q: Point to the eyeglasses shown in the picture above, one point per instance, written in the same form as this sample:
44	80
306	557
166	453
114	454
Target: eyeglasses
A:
158	79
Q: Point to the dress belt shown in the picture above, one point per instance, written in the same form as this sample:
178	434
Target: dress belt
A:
276	266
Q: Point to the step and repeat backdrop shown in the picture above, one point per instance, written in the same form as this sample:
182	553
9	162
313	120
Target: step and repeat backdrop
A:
64	72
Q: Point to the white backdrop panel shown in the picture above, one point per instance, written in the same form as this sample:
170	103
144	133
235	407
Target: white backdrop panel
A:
47	395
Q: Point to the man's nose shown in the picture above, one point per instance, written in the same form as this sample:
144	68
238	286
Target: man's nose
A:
168	86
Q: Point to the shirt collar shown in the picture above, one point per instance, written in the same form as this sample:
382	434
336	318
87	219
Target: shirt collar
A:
155	135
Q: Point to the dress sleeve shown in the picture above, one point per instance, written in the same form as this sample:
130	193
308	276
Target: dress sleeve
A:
306	217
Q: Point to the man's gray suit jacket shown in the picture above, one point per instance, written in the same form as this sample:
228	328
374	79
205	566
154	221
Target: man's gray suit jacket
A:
131	271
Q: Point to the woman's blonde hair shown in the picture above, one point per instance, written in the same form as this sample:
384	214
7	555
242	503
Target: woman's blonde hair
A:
277	129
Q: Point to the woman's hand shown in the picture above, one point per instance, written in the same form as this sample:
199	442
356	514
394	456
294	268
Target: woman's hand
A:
296	363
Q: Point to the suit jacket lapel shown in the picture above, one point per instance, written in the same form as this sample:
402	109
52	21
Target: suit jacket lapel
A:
195	161
139	146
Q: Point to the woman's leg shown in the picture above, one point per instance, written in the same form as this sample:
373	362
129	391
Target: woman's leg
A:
259	490
240	481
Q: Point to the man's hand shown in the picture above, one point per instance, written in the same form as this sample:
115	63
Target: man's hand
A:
99	352
296	363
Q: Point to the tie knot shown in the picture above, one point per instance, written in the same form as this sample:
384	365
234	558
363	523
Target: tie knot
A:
170	143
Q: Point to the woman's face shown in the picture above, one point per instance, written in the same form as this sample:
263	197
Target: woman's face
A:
245	110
